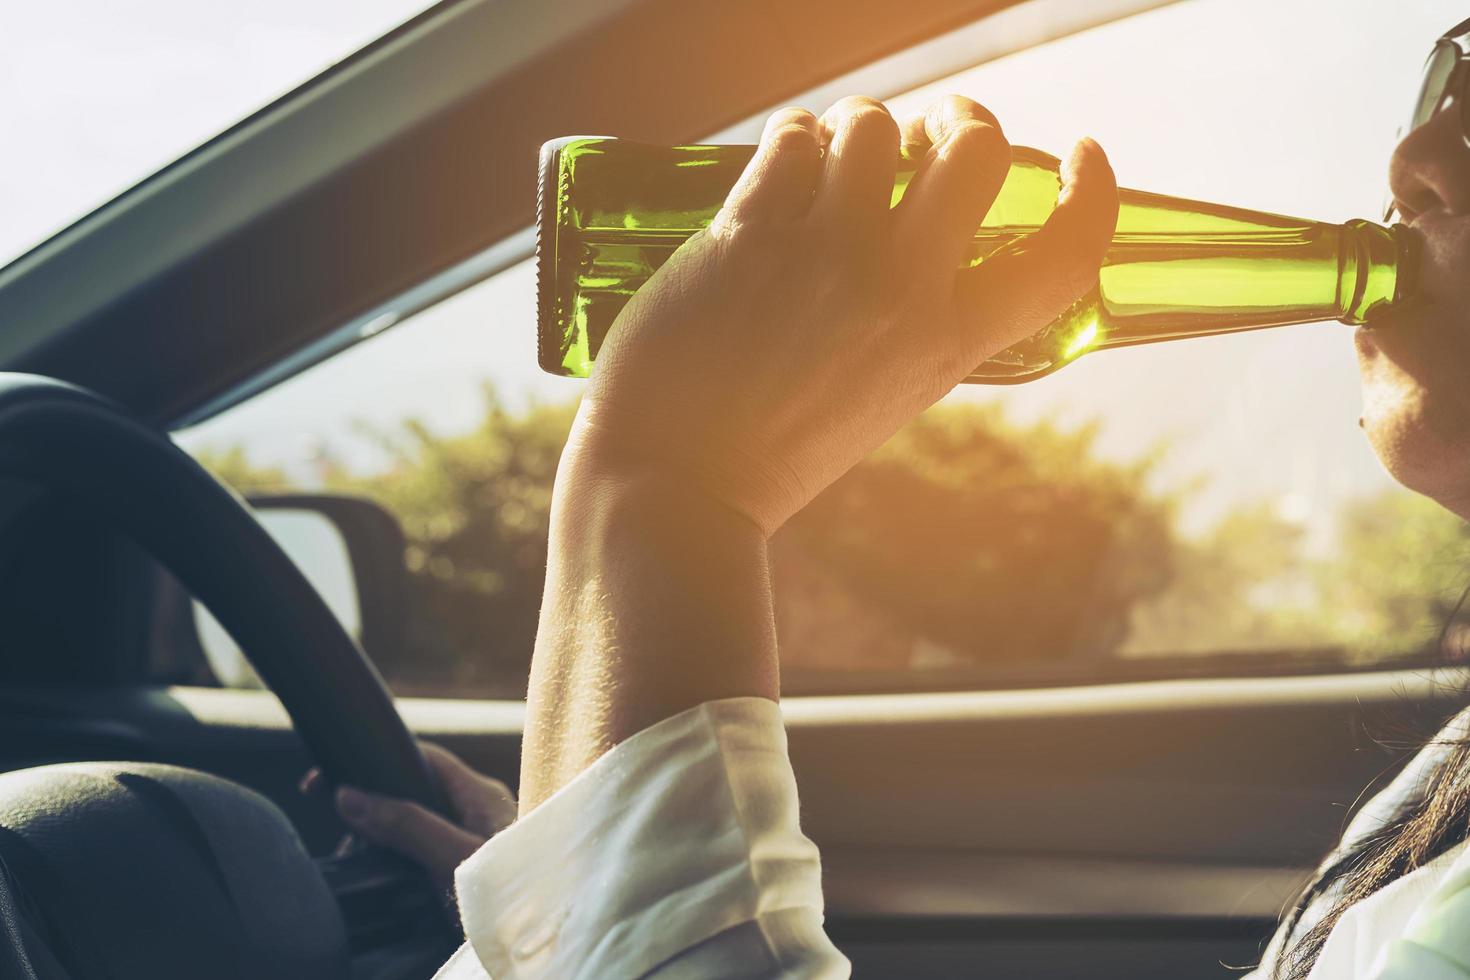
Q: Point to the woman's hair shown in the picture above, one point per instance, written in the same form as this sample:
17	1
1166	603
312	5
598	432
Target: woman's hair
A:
1428	823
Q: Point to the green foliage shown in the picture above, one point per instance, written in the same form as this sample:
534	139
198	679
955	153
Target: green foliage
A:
1400	564
1239	587
966	541
983	542
1403	566
475	509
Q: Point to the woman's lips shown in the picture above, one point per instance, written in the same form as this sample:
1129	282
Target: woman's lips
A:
1384	327
1438	256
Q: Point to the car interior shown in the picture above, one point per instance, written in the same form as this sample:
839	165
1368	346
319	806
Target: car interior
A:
186	635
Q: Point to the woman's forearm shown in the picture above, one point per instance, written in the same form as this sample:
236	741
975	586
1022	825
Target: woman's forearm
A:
657	599
769	354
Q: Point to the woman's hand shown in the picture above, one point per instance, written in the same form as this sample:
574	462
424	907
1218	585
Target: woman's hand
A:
482	807
764	359
811	321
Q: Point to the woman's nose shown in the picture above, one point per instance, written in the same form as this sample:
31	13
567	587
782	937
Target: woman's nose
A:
1430	168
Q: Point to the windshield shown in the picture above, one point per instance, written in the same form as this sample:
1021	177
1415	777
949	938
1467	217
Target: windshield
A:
95	96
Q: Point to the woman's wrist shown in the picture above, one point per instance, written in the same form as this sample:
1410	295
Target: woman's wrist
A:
595	486
657	599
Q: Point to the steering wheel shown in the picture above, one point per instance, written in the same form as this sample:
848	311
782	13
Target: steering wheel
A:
75	443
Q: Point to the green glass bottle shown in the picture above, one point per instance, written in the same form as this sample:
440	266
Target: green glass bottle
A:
610	212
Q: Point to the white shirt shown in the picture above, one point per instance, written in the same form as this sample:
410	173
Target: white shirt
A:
679	855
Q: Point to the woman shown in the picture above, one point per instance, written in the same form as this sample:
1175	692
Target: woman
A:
658	830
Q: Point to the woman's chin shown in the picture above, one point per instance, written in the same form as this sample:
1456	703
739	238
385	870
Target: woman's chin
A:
1417	449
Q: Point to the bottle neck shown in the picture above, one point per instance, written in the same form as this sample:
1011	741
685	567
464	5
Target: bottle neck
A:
1377	269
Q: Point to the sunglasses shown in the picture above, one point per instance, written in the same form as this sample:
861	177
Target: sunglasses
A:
1445	85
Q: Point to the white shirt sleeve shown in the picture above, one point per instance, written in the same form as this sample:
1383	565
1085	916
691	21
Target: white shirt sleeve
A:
676	855
1436	944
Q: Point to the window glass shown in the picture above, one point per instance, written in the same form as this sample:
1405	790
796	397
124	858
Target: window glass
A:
1202	507
94	96
319	550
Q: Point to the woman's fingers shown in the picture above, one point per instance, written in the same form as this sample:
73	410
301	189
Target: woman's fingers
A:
1015	293
483	807
483	804
856	188
927	128
426	838
962	160
782	175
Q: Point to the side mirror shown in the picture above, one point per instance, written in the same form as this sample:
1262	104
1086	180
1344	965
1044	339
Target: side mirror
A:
350	549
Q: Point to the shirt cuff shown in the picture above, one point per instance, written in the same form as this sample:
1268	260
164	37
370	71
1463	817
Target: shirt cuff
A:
687	829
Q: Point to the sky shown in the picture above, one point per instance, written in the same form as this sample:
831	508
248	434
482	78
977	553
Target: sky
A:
96	95
1284	105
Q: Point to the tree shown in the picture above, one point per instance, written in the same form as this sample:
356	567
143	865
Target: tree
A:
475	510
966	541
1239	586
971	538
965	537
1403	565
1398	568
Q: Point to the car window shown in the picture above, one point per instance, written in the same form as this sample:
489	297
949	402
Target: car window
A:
1207	507
98	95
